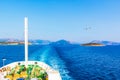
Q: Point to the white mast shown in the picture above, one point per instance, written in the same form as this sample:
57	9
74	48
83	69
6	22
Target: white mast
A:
26	40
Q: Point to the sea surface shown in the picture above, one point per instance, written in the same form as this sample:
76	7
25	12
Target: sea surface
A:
74	62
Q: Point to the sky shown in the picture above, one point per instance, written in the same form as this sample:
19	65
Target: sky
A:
73	20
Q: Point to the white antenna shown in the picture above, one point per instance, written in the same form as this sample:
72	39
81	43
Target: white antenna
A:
26	40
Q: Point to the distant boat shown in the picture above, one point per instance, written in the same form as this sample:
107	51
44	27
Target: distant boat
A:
28	70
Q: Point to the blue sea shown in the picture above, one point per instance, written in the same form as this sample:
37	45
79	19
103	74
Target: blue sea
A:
74	62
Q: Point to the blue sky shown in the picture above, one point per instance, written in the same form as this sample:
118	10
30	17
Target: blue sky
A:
61	19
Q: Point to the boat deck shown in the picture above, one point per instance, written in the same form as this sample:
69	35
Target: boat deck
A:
35	70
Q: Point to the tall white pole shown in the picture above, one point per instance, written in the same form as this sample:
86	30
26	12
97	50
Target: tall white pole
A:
26	40
3	61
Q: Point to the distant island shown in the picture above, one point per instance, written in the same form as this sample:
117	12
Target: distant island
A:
13	43
100	43
92	44
56	43
21	42
106	42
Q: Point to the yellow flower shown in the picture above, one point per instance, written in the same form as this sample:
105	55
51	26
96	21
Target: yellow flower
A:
9	77
16	75
23	74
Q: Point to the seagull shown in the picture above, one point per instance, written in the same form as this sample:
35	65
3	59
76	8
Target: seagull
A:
88	28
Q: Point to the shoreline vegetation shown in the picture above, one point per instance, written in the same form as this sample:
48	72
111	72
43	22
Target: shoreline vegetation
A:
22	43
13	43
58	43
92	44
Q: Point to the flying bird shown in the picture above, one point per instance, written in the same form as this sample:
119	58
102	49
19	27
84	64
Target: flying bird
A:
88	28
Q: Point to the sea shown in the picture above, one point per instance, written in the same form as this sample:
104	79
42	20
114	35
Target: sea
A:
74	62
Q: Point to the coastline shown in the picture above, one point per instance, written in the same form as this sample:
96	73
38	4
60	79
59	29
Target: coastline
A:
92	44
